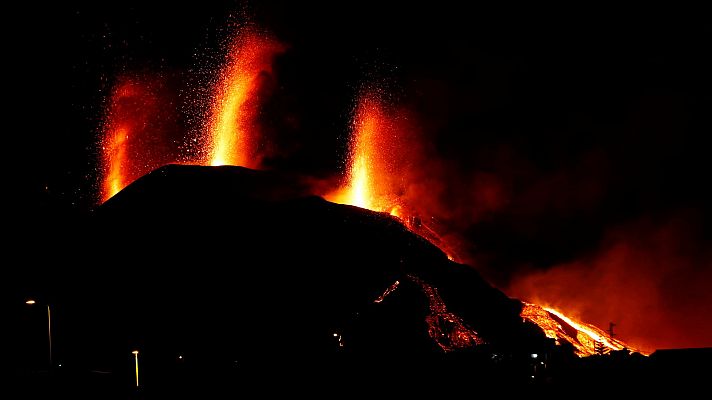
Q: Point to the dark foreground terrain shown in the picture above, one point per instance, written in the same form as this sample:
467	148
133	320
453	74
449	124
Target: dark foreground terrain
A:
229	281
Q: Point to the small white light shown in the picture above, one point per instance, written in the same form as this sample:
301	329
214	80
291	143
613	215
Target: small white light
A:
59	365
180	357
336	334
534	355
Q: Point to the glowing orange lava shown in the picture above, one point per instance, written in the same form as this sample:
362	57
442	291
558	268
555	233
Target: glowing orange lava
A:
372	183
129	111
232	123
139	135
586	339
380	165
115	158
115	141
447	329
368	164
388	291
136	132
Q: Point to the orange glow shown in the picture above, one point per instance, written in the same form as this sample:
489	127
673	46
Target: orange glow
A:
138	133
379	176
116	157
385	169
382	168
127	115
627	280
397	212
369	163
232	124
446	329
559	327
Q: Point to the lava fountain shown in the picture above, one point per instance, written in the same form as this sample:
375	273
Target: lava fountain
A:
365	163
114	142
382	168
232	122
136	133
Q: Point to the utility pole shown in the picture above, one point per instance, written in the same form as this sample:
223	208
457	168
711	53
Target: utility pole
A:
599	348
49	335
49	329
135	353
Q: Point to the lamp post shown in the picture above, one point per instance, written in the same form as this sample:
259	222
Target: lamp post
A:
49	328
135	353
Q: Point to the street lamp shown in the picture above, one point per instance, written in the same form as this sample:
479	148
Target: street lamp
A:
135	353
49	328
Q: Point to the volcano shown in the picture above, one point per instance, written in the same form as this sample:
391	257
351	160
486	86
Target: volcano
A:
243	274
259	242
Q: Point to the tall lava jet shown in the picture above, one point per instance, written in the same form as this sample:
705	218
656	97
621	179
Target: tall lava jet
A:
371	157
232	123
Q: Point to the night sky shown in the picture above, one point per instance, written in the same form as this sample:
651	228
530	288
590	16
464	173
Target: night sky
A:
563	147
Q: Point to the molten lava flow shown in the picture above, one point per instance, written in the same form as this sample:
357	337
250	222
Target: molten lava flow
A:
586	339
232	124
447	329
388	291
